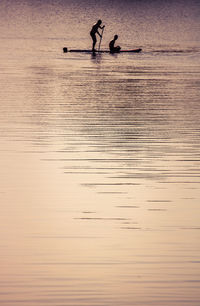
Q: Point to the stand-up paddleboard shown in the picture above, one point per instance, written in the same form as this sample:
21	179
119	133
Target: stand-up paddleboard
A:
65	50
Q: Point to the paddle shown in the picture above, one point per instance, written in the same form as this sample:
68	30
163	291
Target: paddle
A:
101	38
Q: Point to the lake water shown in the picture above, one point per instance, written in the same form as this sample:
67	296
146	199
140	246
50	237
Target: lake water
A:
100	155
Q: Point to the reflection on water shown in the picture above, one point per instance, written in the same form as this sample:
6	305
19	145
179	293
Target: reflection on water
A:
100	172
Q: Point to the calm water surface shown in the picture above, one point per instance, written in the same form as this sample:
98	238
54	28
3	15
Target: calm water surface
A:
100	165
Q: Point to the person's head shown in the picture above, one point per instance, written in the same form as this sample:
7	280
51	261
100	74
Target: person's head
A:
99	22
115	37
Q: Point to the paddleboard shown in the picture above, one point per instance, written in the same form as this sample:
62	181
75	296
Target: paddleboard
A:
65	50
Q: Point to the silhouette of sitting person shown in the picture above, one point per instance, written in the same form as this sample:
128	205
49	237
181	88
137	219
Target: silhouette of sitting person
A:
112	47
93	32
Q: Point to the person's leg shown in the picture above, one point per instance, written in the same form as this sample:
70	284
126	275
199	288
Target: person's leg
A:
94	42
117	49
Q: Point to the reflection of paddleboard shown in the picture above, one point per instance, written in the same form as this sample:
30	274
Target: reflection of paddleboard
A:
65	50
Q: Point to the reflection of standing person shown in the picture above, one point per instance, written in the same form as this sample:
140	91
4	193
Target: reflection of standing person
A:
93	32
112	47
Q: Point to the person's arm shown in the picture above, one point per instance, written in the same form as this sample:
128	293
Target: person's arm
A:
101	29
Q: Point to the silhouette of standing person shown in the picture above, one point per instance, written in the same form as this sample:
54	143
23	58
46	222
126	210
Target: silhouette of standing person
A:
112	47
93	32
